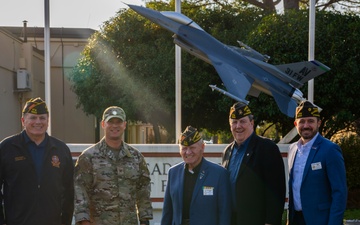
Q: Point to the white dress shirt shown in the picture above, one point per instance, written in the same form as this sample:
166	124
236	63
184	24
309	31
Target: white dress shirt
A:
298	170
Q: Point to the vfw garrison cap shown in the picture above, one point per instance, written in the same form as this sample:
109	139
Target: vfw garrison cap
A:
35	106
239	110
307	109
190	136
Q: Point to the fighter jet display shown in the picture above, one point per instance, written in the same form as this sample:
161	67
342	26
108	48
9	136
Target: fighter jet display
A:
243	70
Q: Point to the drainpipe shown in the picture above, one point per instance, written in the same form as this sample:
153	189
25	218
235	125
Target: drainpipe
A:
25	30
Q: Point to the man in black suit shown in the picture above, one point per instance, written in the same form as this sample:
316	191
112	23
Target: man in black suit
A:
257	172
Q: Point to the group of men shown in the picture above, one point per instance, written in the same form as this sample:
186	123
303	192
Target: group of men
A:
110	183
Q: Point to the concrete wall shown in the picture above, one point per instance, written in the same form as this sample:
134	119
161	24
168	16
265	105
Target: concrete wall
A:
69	123
160	157
16	55
10	107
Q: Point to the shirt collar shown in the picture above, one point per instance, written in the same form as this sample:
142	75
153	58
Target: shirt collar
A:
245	143
307	144
196	169
28	140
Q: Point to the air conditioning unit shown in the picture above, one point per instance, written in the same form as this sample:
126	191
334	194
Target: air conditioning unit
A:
23	79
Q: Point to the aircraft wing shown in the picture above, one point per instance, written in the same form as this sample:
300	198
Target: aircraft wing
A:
235	81
239	84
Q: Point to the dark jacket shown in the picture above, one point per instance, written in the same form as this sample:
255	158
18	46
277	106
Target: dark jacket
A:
27	201
260	185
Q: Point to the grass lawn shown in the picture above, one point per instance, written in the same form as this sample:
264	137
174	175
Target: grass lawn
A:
350	214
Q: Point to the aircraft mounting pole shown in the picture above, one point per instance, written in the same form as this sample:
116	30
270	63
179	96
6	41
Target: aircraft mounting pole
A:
293	132
47	60
177	82
311	46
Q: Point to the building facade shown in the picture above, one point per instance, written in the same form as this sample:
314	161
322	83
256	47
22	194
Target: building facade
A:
22	76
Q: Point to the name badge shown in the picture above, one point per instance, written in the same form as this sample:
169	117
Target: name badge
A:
316	166
208	190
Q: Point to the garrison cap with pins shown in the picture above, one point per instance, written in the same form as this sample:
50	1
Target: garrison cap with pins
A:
307	109
35	106
113	112
190	136
239	110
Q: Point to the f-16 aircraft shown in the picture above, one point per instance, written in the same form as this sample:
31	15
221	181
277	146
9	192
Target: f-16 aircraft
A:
243	70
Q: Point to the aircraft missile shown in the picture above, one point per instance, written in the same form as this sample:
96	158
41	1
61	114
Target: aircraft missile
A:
243	70
213	87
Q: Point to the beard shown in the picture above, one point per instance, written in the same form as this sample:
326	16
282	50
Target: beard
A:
308	133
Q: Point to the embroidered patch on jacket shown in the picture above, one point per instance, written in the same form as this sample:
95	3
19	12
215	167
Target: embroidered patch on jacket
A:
55	161
19	158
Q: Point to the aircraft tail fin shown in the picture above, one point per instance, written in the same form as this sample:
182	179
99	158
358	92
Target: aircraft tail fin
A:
302	72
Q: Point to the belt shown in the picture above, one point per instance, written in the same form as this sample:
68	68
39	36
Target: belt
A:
298	213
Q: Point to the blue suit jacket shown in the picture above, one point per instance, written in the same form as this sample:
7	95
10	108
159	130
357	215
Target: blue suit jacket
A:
206	208
323	189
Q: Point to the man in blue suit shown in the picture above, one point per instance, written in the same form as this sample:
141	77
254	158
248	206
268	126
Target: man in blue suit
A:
197	191
317	179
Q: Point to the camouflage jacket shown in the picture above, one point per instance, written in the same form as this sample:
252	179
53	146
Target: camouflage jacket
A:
111	189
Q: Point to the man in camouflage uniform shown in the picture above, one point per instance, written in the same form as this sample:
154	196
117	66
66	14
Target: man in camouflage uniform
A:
112	181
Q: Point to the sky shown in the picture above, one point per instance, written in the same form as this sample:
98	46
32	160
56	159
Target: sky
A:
63	13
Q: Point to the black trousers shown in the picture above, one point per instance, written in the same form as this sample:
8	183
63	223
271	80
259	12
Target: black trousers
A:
185	222
299	218
233	218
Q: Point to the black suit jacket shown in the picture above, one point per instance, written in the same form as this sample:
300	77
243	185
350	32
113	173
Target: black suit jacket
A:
260	185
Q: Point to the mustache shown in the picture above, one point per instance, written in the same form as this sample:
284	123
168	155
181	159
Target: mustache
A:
309	129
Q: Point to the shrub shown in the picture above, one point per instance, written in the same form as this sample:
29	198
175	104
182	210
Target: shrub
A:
351	151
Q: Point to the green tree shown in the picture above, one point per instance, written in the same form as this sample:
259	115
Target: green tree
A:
127	64
130	63
285	38
272	6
